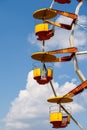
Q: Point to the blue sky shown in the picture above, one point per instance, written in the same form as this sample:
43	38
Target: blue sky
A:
23	103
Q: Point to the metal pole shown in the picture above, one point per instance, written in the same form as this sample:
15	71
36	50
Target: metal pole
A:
79	6
77	123
52	4
81	52
71	39
43	45
51	84
79	73
53	89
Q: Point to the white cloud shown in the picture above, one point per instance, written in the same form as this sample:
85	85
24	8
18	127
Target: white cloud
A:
80	38
32	38
84	95
31	104
82	19
66	88
57	64
76	107
64	20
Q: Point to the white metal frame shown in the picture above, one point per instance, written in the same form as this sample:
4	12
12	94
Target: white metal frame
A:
75	61
71	39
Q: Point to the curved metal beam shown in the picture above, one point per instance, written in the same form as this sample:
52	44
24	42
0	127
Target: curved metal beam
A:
71	39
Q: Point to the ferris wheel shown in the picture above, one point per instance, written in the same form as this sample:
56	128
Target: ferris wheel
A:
59	115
